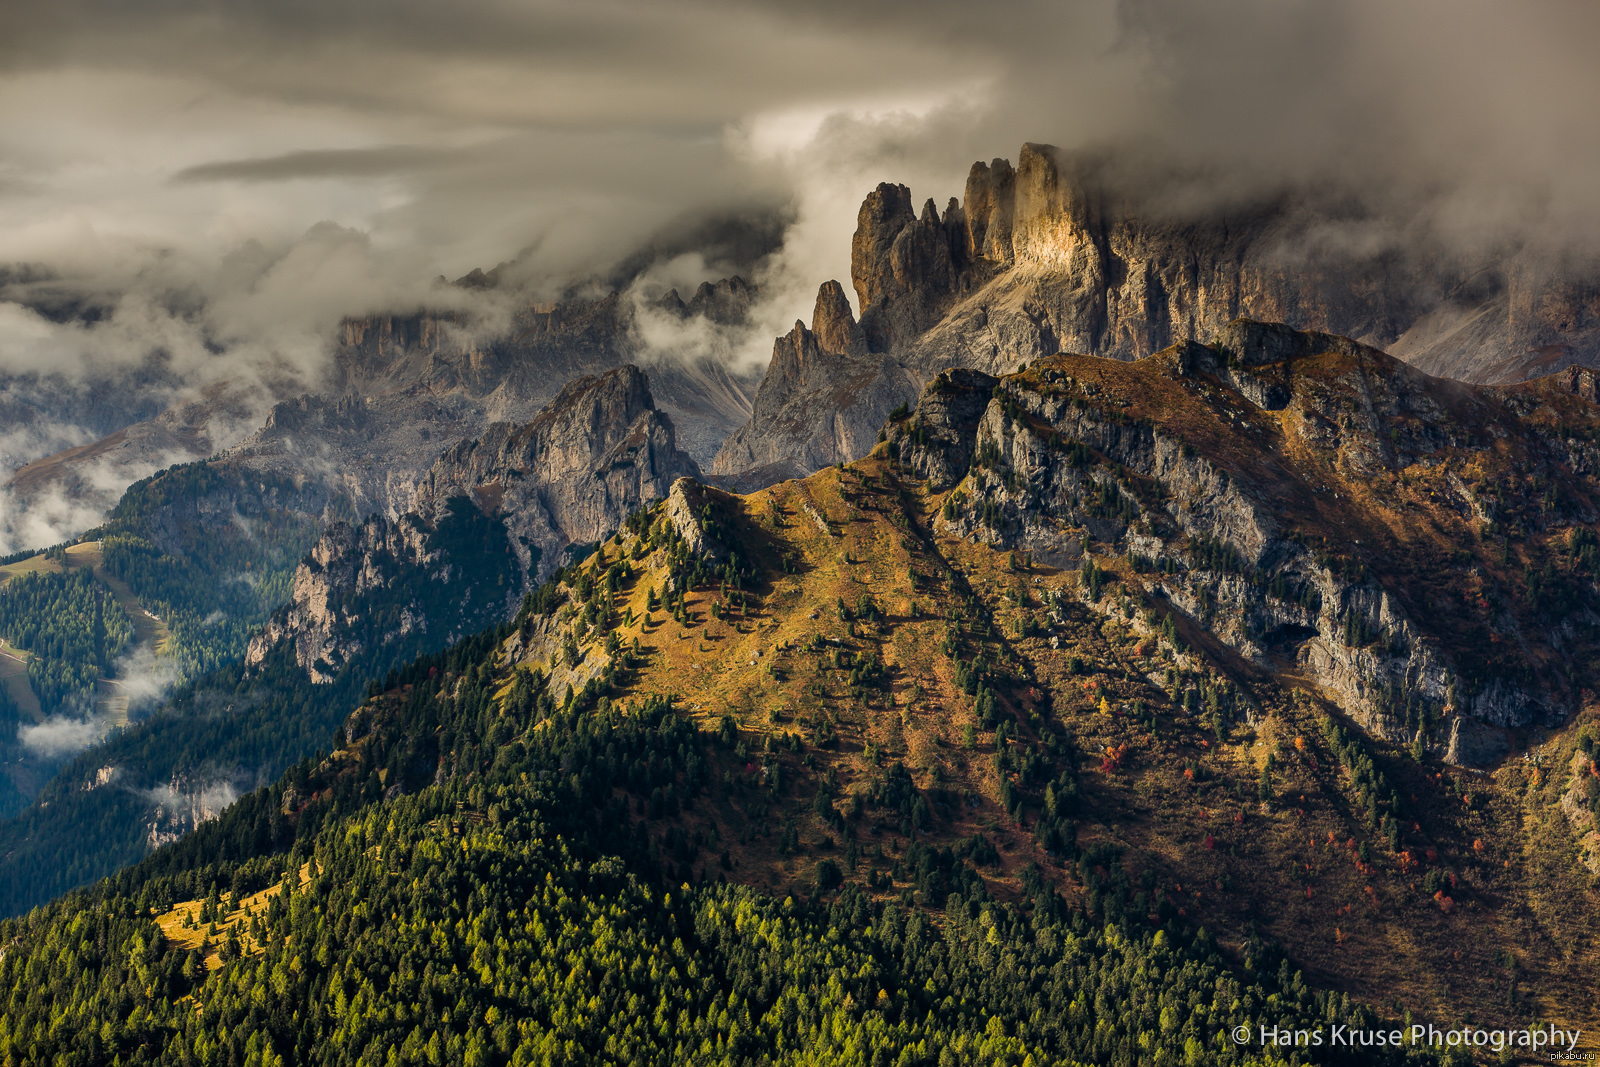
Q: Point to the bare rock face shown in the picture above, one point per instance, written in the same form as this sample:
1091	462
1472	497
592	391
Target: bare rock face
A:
835	325
1314	506
824	396
392	586
903	267
990	196
1055	254
940	444
571	475
725	301
685	507
182	804
486	522
1051	255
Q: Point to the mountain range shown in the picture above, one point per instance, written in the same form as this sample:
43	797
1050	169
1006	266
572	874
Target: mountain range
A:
1125	622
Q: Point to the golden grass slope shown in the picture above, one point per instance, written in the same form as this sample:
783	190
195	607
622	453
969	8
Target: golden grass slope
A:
1510	941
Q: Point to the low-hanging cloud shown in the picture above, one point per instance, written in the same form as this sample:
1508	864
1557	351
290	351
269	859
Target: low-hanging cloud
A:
198	802
57	506
144	678
46	518
62	735
140	679
207	345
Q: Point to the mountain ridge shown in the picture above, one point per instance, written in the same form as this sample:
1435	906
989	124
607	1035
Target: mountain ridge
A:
1053	255
525	492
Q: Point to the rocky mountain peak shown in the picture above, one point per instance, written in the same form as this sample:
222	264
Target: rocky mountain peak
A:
987	206
884	214
833	323
726	300
904	268
814	369
1053	254
495	512
596	405
1312	503
570	475
1052	214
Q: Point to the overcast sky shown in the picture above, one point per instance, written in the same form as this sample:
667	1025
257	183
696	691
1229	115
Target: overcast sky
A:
291	161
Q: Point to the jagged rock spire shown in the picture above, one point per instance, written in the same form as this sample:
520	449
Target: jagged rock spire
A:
833	323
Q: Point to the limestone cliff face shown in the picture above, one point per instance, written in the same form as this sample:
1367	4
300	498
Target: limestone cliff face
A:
184	802
388	587
1055	255
825	396
486	521
946	433
1049	256
1313	506
684	509
571	475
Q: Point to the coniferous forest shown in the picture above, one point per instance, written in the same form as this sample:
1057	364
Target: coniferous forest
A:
539	906
72	628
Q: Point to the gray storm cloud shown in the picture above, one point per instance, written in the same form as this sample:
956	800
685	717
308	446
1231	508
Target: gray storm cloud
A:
469	127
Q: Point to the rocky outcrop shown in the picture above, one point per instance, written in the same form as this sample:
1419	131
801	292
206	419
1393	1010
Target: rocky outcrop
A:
389	587
489	519
1063	254
940	442
685	510
726	301
1313	505
824	396
904	267
571	475
181	804
834	325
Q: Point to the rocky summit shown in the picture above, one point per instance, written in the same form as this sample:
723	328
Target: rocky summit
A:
1418	550
1068	253
490	518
